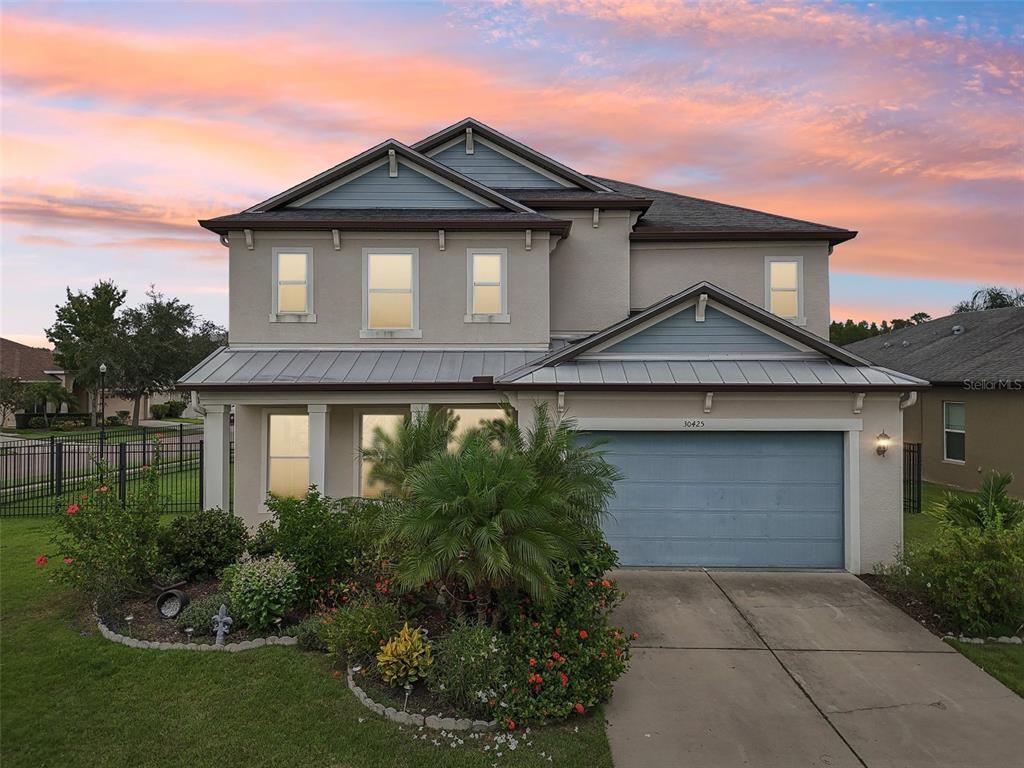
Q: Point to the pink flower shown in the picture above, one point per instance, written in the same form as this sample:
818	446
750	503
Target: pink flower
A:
73	509
583	634
41	561
580	709
102	489
68	560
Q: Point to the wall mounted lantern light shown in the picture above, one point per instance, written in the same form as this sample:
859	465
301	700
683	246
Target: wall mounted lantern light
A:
882	443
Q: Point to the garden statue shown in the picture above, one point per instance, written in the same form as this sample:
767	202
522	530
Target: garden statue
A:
221	623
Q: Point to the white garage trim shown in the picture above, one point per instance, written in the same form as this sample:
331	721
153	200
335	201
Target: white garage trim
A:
851	453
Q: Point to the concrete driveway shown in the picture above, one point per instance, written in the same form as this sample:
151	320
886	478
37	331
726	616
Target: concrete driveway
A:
739	668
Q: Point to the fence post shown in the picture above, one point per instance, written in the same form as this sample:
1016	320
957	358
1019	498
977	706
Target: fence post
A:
58	462
145	447
50	484
122	471
181	445
200	505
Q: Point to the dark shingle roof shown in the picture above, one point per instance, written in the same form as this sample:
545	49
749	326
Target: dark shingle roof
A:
575	198
386	218
990	347
19	361
673	216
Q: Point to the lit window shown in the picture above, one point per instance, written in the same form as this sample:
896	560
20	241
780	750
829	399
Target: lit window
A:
784	288
390	291
291	271
288	455
487	283
954	427
387	422
471	418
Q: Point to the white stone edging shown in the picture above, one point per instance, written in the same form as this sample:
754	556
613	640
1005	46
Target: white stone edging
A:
245	645
402	717
985	640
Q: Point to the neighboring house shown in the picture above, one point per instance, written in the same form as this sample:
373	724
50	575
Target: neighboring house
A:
972	419
471	271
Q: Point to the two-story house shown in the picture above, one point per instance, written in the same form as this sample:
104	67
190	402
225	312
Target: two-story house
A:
469	271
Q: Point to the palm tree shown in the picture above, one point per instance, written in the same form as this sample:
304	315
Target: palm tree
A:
992	297
991	508
393	455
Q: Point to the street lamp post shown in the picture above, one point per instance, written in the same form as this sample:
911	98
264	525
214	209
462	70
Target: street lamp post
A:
103	396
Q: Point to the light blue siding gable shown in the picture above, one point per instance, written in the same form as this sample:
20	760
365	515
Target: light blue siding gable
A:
492	168
681	334
376	189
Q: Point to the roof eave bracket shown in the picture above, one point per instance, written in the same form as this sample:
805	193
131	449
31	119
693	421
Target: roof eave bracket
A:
708	400
470	149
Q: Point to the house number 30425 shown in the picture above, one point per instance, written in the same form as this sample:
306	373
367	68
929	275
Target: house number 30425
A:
693	423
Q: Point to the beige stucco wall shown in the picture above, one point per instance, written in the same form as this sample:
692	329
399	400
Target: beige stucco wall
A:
995	436
590	272
658	270
338	286
880	485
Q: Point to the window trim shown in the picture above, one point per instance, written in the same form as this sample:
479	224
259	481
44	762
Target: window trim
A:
391	333
946	430
477	317
798	259
276	315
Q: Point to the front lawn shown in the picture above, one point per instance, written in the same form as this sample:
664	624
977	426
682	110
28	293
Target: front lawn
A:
70	698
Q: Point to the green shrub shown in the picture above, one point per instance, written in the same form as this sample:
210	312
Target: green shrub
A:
37	422
200	545
990	507
110	549
356	632
308	633
973	577
124	416
262	591
158	410
263	542
565	657
175	408
199	613
114	421
470	668
406	658
325	538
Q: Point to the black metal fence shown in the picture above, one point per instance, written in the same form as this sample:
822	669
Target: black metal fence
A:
912	478
37	475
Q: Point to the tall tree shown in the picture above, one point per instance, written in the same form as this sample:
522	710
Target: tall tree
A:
991	297
12	397
87	334
848	332
47	392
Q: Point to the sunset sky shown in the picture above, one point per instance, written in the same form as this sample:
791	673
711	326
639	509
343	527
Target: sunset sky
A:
125	122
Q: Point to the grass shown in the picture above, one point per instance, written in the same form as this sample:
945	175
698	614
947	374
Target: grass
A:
70	698
182	420
1003	662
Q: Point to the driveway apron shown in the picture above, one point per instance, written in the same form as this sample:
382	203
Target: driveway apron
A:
739	668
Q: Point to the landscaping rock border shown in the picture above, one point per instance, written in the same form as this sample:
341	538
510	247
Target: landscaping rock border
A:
986	640
245	645
402	717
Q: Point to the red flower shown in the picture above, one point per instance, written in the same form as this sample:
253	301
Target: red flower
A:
564	678
635	636
583	634
603	654
511	724
554	655
536	625
533	662
68	560
41	561
606	584
336	674
535	679
618	652
579	708
571	582
558	631
73	509
590	583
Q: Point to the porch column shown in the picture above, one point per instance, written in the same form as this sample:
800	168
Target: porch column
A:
216	459
319	435
418	411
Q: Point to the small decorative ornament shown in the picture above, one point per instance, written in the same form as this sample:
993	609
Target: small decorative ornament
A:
221	624
170	603
128	620
188	633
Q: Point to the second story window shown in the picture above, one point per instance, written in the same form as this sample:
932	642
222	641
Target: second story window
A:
293	294
487	291
784	278
390	303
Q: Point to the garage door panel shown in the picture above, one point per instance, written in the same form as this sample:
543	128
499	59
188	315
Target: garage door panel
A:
754	499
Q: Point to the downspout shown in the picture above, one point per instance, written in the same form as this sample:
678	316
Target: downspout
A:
224	241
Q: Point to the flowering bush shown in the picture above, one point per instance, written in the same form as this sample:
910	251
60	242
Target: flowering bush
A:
470	668
356	632
564	658
262	591
109	549
200	545
405	658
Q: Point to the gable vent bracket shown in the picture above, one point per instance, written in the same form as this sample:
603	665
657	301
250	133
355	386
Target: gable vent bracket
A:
597	217
529	239
708	398
392	164
440	239
469	141
248	239
337	239
858	402
702	305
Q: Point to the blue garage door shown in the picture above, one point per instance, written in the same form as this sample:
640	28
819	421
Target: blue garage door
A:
746	499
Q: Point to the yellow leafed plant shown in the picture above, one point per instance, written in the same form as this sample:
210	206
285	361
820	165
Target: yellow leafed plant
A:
405	658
